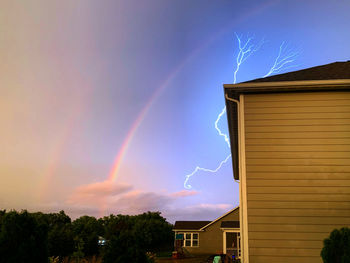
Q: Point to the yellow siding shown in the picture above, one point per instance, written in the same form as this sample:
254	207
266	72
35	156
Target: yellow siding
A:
298	173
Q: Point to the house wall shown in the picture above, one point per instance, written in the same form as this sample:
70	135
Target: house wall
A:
211	240
297	173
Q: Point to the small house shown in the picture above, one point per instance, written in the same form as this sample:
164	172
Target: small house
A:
221	236
290	145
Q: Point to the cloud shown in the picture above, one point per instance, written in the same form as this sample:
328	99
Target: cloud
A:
97	193
103	188
184	193
116	198
136	202
204	211
212	207
104	198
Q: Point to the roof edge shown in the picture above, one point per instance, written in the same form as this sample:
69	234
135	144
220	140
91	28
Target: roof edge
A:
186	230
215	220
329	82
229	228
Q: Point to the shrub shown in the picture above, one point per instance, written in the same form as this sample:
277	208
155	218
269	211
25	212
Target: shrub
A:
336	248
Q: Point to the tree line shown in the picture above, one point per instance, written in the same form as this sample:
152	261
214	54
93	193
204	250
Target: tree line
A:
37	237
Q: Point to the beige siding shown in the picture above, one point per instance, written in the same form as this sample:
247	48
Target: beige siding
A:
298	173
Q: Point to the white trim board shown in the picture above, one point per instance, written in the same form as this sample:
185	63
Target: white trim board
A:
212	222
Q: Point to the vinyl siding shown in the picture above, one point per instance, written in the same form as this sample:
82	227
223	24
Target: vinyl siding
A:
297	173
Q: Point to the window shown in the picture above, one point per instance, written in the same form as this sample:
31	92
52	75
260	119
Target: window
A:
195	239
191	240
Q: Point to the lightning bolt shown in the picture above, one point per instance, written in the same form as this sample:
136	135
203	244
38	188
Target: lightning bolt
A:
227	140
245	51
188	186
283	61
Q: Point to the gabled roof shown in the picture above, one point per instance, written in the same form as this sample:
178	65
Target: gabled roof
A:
198	225
190	225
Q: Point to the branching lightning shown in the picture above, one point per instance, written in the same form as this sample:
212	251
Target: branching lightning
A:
244	52
283	61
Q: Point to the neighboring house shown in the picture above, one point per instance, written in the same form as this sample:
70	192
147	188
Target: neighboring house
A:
210	237
290	144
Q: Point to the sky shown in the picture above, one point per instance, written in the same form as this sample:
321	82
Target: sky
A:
106	106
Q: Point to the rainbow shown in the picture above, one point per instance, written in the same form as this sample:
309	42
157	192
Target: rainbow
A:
132	131
63	136
121	154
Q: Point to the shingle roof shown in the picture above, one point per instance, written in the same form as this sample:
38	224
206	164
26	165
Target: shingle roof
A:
336	70
193	225
229	224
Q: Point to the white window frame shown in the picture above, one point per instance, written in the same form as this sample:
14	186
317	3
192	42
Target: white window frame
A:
191	239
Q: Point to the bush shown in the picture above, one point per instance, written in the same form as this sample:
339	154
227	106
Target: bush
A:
337	247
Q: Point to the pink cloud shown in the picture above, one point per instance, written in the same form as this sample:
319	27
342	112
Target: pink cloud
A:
136	202
97	193
116	198
215	207
184	193
103	188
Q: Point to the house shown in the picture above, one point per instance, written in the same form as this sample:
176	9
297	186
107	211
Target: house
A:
290	144
220	236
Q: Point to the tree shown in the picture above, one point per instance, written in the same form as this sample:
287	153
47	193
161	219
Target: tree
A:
60	235
86	229
154	232
124	247
336	248
22	238
114	225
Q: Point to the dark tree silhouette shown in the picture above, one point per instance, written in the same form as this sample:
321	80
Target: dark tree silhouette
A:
124	247
86	229
22	238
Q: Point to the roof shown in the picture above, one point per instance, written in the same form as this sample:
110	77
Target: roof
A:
330	77
190	225
229	224
335	70
212	222
199	225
